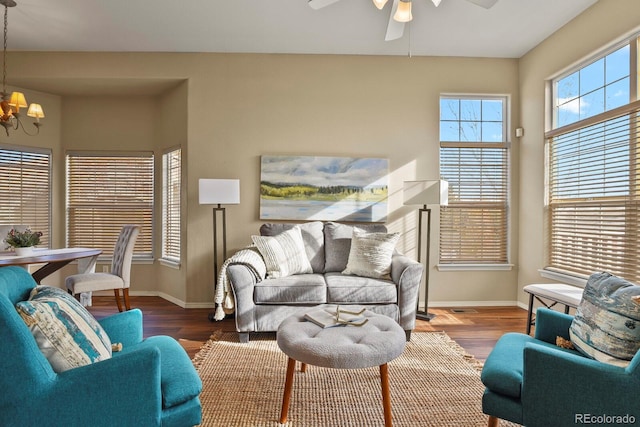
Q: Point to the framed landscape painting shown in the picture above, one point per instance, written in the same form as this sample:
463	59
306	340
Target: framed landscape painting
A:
323	188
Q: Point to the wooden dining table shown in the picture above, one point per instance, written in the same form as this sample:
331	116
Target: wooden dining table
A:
53	260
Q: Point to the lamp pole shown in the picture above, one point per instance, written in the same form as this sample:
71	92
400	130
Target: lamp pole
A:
424	315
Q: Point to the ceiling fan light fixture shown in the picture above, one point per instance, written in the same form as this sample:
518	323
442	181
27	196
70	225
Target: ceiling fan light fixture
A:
436	3
403	14
380	3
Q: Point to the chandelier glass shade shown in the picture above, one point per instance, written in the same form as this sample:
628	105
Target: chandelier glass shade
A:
380	3
12	102
403	14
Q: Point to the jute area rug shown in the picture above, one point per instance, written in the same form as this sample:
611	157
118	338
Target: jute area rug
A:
433	383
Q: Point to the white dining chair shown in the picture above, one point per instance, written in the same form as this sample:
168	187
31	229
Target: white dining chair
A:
118	278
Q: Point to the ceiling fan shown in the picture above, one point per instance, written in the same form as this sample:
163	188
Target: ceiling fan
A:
400	12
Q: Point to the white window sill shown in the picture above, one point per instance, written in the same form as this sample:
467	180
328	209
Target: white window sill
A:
474	267
563	277
169	263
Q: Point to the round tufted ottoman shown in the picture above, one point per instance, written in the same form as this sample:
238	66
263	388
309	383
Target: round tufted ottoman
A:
377	342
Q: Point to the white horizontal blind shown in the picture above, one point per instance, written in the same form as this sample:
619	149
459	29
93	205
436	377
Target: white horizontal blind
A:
171	193
474	226
105	192
25	190
593	195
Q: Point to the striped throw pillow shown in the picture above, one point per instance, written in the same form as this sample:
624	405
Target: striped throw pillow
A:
66	333
283	254
370	254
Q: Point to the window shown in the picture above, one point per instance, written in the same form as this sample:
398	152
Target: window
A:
171	193
106	191
474	159
593	202
593	89
25	189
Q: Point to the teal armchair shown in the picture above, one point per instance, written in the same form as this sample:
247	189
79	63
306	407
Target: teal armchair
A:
533	382
151	382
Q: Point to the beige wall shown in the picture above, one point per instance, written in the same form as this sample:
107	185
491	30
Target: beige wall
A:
241	106
226	110
596	28
171	131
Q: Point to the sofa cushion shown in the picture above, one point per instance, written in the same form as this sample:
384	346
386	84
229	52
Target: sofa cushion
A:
606	326
342	289
370	254
301	289
312	235
66	333
283	254
337	243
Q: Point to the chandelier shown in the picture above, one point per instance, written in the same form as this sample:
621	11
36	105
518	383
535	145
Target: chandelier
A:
12	103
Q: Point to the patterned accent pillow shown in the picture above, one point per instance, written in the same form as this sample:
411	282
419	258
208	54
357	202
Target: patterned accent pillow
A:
370	254
284	254
606	326
337	243
66	333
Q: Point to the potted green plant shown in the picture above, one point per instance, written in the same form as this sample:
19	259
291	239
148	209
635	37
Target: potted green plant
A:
23	242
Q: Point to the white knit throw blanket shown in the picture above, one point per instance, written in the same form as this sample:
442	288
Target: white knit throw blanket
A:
250	257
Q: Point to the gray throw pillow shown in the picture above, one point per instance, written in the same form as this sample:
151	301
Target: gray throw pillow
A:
606	326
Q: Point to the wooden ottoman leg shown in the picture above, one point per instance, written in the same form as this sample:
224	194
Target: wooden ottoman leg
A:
291	367
386	395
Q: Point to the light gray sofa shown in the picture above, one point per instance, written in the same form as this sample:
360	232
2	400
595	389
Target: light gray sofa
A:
262	304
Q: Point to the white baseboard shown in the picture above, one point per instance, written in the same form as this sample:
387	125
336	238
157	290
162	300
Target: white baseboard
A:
474	304
162	295
211	305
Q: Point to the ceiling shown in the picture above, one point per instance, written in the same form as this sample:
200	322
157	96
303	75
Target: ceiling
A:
456	28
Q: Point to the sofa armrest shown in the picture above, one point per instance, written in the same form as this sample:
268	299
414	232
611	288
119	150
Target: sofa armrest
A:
242	282
125	327
551	324
407	275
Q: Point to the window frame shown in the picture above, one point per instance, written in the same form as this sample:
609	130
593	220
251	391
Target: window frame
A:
171	202
79	198
575	270
481	263
47	238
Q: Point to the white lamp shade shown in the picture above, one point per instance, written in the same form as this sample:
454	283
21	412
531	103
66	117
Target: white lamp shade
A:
426	193
35	110
219	191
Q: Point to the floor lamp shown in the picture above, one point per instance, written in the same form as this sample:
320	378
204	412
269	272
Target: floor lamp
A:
218	192
425	193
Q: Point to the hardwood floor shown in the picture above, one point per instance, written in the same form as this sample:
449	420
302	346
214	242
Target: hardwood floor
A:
476	329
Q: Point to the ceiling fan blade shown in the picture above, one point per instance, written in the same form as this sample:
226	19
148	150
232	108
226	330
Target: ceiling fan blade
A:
319	4
487	4
395	29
